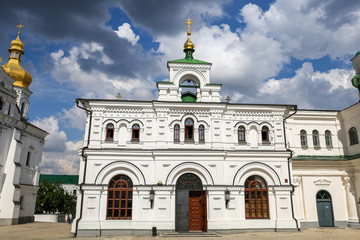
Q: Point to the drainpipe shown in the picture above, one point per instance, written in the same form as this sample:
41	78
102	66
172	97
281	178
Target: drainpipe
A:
85	159
289	158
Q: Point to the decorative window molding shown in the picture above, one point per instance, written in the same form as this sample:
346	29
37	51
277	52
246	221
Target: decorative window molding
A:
322	182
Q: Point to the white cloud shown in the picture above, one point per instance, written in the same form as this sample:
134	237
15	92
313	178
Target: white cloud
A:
56	139
74	117
310	89
65	162
59	155
301	28
96	83
125	31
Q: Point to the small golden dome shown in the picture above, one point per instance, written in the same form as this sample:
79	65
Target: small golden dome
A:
17	45
188	44
13	68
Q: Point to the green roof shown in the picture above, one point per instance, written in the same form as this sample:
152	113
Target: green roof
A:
355	55
63	179
189	60
326	158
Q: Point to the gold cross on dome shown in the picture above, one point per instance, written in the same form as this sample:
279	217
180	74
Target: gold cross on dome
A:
20	26
188	23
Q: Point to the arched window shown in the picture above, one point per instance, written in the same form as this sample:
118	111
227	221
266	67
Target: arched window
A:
1	103
303	138
22	202
28	159
315	136
135	136
328	139
353	136
109	132
265	134
241	134
22	109
176	132
119	204
256	198
201	133
323	195
189	129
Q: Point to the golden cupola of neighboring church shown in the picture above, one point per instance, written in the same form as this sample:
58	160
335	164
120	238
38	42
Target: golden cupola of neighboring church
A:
13	68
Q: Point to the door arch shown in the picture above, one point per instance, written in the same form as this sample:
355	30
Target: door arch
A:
324	209
191	210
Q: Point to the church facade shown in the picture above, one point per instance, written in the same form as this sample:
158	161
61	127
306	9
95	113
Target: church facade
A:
189	162
21	143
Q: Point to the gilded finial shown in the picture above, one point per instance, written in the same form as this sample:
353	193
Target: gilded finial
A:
20	26
188	23
188	44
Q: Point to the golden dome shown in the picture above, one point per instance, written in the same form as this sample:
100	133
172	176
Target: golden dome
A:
13	68
188	44
17	44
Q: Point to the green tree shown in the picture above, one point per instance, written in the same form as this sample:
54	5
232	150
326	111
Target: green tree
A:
51	197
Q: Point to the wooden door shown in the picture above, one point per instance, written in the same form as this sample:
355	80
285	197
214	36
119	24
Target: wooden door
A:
197	211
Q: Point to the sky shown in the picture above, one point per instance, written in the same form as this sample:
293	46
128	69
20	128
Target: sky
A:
280	51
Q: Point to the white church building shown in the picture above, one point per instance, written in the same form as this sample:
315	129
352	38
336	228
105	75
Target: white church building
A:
190	162
21	143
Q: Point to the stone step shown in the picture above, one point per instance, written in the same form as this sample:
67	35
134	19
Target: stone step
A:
188	234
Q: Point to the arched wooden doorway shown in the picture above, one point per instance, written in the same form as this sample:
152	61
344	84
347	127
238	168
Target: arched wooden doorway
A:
191	211
324	209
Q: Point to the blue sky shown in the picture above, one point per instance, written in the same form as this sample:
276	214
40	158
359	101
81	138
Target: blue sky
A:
283	51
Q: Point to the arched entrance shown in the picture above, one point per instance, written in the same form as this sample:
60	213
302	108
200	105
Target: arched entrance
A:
191	211
324	209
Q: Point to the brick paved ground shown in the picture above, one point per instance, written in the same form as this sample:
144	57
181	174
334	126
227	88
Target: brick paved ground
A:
62	231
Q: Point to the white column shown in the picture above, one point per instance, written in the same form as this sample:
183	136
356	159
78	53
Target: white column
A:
350	199
297	199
